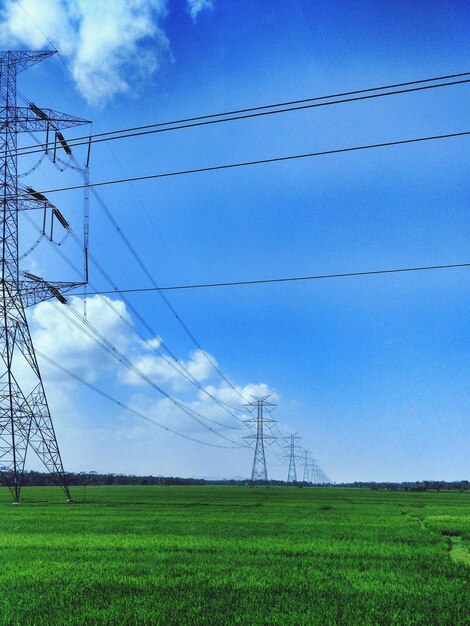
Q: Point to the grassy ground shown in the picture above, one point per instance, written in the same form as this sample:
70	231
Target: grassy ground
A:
234	555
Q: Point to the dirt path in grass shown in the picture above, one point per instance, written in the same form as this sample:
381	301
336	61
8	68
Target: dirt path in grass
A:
458	552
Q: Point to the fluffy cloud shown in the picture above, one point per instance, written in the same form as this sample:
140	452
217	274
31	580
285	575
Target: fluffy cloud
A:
105	41
94	434
235	397
196	6
162	369
58	334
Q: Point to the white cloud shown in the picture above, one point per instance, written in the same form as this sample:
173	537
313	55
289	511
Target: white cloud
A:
102	40
240	395
196	6
111	46
108	47
139	446
165	369
55	333
153	344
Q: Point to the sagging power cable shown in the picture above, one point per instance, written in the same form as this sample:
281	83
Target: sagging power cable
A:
255	112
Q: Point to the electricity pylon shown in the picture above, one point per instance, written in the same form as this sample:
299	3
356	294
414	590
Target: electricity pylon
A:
323	479
259	471
291	448
306	463
25	420
314	471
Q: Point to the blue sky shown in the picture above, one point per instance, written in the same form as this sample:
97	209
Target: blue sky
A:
372	372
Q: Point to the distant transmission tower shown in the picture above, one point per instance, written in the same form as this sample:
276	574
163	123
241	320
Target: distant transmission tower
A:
323	479
292	471
259	471
314	472
25	420
306	463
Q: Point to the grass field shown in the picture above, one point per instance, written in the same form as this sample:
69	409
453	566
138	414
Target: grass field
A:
234	555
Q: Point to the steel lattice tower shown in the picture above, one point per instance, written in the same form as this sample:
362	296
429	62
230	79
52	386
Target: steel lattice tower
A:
25	420
314	471
292	471
306	474
259	471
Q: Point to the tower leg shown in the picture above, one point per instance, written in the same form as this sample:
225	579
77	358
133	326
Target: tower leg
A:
25	420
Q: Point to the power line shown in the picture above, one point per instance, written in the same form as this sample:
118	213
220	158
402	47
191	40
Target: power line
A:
86	327
185	373
116	353
254	112
167	303
228	409
228	166
281	280
185	327
126	407
175	363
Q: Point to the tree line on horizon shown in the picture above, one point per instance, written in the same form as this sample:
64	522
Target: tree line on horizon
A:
42	479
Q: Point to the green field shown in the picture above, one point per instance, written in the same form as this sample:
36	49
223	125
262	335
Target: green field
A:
235	555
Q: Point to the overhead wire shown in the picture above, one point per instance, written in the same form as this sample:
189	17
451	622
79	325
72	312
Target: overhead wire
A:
280	436
174	362
177	364
109	303
166	301
137	257
109	346
269	449
124	406
288	279
116	354
71	264
300	156
249	113
106	395
91	331
168	304
227	166
213	421
92	185
185	373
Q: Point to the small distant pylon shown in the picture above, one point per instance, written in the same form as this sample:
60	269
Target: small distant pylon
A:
292	453
323	479
306	474
259	472
313	472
